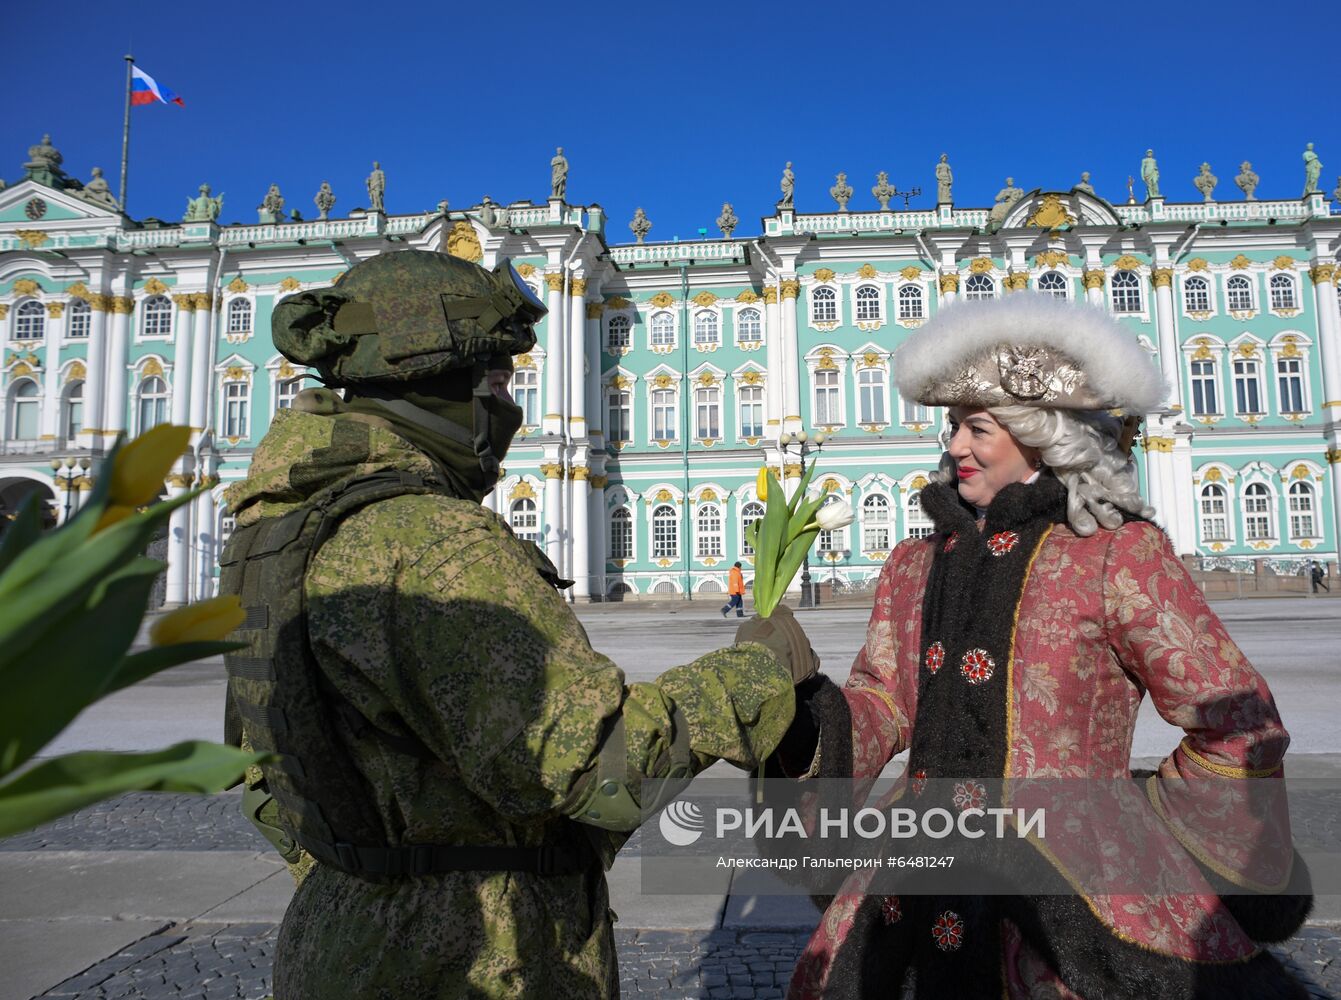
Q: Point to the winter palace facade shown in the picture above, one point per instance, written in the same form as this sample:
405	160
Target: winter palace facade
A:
667	373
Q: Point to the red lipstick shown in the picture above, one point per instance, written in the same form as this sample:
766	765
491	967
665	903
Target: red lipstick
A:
965	472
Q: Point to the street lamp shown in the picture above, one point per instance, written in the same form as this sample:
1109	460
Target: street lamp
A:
70	467
805	445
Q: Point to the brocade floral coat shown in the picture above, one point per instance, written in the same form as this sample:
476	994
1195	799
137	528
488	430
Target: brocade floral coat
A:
1100	622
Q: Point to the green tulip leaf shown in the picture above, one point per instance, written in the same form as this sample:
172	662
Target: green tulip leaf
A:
137	666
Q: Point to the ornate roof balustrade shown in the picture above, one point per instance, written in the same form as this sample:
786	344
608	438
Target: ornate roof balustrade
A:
655	253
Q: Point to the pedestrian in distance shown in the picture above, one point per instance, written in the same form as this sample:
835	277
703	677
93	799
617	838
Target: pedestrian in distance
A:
735	589
1318	574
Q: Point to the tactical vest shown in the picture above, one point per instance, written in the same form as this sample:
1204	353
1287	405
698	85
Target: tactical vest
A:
278	693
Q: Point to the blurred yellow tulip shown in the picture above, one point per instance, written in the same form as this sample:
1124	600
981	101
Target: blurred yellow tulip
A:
142	464
761	484
113	514
204	621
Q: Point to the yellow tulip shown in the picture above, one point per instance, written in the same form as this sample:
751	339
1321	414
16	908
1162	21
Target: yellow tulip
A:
142	464
761	484
114	513
204	621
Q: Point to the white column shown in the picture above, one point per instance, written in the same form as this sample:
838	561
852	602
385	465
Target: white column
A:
789	291
1093	277
774	360
580	520
49	426
118	356
949	285
576	347
1183	522
179	545
183	339
202	361
1169	355
95	374
206	540
552	534
552	422
596	533
1324	297
592	379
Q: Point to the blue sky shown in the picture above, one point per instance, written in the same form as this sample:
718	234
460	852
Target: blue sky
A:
674	107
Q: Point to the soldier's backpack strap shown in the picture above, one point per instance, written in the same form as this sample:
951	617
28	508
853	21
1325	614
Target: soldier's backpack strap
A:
283	700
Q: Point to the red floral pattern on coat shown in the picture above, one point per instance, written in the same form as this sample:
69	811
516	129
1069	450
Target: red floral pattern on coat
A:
950	542
969	795
891	910
935	656
977	666
948	930
919	782
1137	623
1003	542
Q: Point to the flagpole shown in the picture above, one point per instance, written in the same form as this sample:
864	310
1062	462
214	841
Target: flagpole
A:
125	134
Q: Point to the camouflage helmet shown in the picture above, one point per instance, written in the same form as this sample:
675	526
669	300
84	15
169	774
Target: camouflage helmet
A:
407	315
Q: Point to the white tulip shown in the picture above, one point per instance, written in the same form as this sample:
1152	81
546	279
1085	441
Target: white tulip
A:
834	515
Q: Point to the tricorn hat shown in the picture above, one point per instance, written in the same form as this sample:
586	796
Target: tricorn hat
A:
1028	349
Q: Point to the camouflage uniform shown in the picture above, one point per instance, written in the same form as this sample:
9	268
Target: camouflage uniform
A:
429	617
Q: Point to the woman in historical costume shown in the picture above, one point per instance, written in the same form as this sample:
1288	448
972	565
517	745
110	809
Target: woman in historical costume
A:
1017	643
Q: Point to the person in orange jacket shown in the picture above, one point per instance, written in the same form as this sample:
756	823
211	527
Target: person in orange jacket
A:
736	588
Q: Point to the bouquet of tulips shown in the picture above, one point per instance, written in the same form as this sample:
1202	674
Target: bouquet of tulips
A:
71	603
783	536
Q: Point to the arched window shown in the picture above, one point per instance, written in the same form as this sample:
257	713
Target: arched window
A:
875	523
871	396
979	286
79	319
1214	521
663	330
239	316
157	317
823	306
705	327
666	587
72	410
25	407
621	534
1239	294
1053	283
1282	292
524	520
1196	295
1126	292
665	532
30	321
708	530
919	525
1302	524
526	394
749	328
1257	512
153	403
868	304
835	540
910	302
617	333
750	513
710	587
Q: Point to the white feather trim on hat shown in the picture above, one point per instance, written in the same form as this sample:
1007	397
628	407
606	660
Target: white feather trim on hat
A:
1114	367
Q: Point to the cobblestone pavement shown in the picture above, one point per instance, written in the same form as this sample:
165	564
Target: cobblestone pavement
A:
209	961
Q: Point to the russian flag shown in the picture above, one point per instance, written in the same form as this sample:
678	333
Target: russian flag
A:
145	90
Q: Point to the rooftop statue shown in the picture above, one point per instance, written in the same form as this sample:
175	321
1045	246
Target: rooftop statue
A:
203	208
558	175
883	190
99	192
1205	182
325	200
271	208
1312	170
841	191
641	224
727	221
376	184
1085	184
945	178
788	185
1006	199
44	164
1336	192
1247	181
1150	174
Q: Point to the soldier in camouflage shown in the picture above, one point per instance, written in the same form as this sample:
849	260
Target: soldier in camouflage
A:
501	758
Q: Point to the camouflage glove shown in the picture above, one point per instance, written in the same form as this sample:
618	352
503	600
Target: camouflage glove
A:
783	636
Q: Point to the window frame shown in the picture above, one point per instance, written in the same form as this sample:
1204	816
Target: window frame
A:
1203	287
660	324
1252	383
625	324
828	295
160	401
879	383
1247	288
1287	282
67	401
742	323
708	400
921	525
837	393
235	409
233	312
1213	379
1258	505
1204	516
33	318
752	509
626	521
665	520
669	401
618	400
80	310
883	523
974	290
514	508
158	310
529	391
876	300
907	294
743	430
27	406
1064	288
707	328
1306	489
1125	296
709	541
